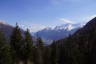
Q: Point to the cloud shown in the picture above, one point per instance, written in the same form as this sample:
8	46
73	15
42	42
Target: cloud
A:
66	20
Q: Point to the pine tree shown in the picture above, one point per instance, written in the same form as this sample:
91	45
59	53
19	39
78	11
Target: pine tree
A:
28	47
16	43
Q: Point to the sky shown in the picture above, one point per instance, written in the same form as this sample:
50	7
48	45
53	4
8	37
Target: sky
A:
38	14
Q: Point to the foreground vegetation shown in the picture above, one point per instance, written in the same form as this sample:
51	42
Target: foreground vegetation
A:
76	49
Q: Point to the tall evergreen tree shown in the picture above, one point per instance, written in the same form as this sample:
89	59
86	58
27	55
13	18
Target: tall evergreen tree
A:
28	51
16	43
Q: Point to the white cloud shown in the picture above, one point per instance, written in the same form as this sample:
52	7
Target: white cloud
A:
66	20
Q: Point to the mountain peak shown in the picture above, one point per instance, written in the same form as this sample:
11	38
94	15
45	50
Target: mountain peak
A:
65	27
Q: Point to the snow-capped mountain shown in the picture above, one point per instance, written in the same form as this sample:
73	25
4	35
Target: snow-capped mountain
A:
67	26
58	32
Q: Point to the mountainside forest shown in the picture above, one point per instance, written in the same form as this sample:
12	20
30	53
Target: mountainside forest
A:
79	48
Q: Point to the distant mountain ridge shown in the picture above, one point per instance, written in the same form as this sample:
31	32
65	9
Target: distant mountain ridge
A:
58	32
8	29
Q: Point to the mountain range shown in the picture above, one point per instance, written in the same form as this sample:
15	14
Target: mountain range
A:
49	34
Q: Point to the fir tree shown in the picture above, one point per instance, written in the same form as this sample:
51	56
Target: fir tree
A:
16	43
28	47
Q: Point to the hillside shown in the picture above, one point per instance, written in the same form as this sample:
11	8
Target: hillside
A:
79	48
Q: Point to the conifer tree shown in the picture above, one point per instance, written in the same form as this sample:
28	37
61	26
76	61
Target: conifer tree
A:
28	51
16	43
